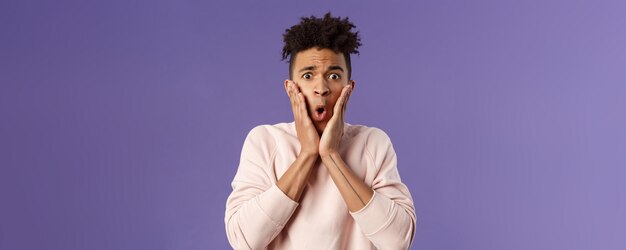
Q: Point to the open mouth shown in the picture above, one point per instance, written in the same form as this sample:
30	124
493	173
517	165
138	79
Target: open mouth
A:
320	113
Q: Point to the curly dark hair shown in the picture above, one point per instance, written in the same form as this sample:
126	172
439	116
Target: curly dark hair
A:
326	33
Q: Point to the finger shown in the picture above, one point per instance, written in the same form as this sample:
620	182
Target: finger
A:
298	104
340	102
302	108
345	103
294	95
302	103
293	87
299	97
292	98
296	88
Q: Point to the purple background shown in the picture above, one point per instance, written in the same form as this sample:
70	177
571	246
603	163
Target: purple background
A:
122	121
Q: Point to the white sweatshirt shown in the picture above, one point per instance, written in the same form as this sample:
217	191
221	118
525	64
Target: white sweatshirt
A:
260	216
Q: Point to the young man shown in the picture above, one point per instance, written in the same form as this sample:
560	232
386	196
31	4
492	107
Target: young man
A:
318	182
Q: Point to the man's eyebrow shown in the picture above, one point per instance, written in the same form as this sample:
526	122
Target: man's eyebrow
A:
307	68
335	67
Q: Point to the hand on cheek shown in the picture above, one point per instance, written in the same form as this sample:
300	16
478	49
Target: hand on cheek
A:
305	129
329	142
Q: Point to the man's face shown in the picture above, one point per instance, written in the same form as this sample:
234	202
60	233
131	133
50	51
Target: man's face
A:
321	74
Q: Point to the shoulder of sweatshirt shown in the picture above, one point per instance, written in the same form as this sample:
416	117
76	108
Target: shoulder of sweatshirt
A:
267	137
273	131
372	137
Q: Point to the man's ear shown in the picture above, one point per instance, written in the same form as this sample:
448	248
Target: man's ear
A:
352	83
286	84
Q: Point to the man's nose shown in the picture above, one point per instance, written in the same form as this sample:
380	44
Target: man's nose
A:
321	89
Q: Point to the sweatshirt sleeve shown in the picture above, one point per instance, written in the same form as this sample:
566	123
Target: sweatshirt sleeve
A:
256	210
388	219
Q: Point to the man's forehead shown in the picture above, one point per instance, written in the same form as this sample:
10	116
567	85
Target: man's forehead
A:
314	57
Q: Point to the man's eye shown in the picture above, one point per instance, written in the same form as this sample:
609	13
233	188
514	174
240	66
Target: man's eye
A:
307	76
334	76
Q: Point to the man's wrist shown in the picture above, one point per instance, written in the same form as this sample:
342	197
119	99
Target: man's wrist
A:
307	155
331	153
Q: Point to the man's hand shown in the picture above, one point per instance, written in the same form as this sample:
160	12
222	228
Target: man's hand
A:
329	143
294	180
354	191
307	134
